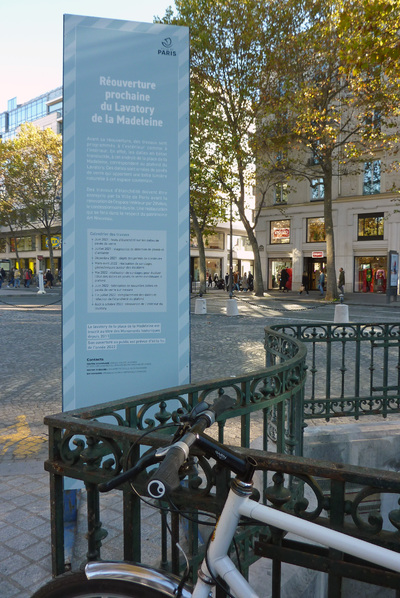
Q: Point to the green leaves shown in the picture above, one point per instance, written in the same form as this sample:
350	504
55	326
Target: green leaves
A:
30	169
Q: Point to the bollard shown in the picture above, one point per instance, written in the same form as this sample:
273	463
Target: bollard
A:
341	314
200	306
41	290
232	308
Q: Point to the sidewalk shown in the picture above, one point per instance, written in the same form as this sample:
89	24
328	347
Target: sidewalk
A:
25	549
369	299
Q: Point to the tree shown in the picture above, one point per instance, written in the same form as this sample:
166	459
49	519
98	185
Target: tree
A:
227	65
11	214
31	167
322	117
207	207
371	29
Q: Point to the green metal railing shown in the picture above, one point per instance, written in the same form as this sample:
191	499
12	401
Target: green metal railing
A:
353	369
349	499
94	444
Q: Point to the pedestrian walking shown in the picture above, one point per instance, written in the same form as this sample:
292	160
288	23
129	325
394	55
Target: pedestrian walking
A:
321	282
10	279
341	281
250	279
304	283
27	278
284	280
17	278
49	279
236	281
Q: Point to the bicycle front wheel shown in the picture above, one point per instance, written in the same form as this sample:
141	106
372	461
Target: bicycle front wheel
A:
76	585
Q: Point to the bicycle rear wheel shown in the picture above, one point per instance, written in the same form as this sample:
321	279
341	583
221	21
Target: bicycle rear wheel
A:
76	585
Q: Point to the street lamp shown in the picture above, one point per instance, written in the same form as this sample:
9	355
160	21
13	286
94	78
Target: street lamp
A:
231	308
230	253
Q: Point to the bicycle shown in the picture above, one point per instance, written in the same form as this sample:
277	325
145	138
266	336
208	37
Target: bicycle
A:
129	580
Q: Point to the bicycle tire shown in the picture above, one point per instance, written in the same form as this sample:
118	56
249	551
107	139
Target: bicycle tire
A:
76	585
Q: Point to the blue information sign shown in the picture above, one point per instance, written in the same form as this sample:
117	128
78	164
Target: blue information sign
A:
125	209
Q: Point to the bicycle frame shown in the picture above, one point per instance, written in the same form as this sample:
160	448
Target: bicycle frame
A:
240	504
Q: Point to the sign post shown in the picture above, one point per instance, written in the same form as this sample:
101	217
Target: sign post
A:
393	276
125	209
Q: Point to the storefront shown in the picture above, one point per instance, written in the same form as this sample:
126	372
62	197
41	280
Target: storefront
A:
312	267
275	267
370	274
213	266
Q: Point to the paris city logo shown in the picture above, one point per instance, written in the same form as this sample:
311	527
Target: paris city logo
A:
167	47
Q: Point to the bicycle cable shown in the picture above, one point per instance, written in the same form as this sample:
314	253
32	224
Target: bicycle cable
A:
173	508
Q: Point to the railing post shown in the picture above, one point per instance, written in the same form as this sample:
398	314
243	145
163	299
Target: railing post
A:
337	502
57	524
95	533
132	527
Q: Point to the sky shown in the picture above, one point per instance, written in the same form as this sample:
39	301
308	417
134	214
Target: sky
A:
31	39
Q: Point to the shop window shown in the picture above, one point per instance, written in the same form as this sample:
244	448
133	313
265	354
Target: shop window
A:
317	189
281	193
315	230
280	231
23	244
370	274
370	227
55	241
372	177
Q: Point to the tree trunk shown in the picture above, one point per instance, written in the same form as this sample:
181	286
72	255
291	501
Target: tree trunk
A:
258	276
16	246
51	254
331	286
202	252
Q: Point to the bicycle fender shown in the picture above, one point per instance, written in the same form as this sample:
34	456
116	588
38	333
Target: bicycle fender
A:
138	574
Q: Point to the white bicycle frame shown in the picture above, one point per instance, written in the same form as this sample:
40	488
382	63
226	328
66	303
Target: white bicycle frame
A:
237	505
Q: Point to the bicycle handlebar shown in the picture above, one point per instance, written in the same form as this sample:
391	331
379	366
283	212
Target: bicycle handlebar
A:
166	477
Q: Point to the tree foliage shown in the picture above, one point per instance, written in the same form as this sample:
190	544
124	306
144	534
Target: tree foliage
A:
227	64
30	171
324	114
297	88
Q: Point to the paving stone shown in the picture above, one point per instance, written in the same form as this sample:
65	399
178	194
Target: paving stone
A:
30	356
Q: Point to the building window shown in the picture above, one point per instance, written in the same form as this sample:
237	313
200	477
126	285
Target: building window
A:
280	231
372	177
214	241
281	193
317	189
373	122
315	230
370	227
239	243
3	246
23	243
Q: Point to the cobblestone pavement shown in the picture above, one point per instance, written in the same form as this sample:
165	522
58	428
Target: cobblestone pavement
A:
30	388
